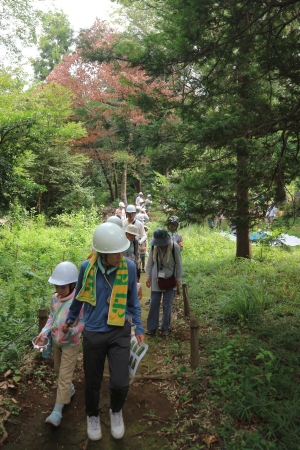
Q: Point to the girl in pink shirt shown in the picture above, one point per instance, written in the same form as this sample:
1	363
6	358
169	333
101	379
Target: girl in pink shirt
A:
65	346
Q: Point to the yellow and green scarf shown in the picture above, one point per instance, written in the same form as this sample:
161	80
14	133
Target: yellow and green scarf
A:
117	305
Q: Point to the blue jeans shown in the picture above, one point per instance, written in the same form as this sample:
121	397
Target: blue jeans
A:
153	316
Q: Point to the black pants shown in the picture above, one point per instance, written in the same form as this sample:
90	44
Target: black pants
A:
114	344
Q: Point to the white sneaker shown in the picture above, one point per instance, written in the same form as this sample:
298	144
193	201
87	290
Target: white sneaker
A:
116	424
94	428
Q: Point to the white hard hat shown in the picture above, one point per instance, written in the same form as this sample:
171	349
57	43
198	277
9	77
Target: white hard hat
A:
116	220
149	195
122	204
130	209
110	238
140	193
132	229
64	273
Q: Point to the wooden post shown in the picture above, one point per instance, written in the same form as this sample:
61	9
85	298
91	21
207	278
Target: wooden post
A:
43	316
185	300
194	338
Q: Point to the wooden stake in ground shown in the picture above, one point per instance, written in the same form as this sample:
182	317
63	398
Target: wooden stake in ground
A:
185	300
195	359
43	315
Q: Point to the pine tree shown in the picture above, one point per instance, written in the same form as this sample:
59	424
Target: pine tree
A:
237	75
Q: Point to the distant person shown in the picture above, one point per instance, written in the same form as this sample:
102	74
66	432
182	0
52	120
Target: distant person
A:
120	211
163	274
130	219
271	214
141	215
143	249
132	252
138	199
173	224
107	287
65	346
148	203
211	222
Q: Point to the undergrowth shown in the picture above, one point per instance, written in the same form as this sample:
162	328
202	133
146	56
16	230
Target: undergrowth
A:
29	251
249	317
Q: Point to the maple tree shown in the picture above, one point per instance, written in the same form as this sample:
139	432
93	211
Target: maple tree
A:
107	97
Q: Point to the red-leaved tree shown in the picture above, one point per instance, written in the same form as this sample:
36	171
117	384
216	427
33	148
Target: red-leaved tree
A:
106	101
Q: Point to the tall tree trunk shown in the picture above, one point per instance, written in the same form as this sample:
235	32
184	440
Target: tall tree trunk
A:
124	184
110	186
39	203
139	186
280	193
115	181
243	244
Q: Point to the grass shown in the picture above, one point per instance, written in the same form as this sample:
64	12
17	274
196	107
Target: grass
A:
249	316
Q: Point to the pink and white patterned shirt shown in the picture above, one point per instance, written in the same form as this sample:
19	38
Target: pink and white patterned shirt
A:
55	322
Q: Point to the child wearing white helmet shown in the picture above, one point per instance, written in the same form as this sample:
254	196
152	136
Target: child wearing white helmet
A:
107	286
65	346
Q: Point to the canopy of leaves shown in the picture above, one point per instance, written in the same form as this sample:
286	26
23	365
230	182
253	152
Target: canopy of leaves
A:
18	24
35	139
237	69
55	41
109	98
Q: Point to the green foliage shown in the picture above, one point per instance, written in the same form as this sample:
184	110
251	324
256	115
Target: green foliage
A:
18	23
237	134
29	252
54	42
38	168
249	314
246	304
16	125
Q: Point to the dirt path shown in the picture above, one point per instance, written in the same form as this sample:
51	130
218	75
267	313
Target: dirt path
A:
146	411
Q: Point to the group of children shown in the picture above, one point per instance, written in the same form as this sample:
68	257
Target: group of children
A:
70	317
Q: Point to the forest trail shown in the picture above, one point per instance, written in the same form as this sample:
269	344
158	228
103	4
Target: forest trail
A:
146	410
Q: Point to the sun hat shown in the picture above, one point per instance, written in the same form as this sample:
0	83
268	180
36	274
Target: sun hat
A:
132	229
161	237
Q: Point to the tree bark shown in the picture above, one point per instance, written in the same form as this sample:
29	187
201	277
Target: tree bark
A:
243	244
115	181
110	186
124	184
139	186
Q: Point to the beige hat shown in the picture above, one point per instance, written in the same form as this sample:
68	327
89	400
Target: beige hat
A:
132	229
